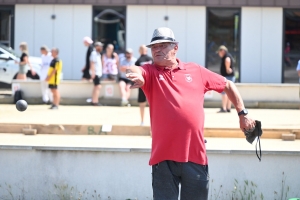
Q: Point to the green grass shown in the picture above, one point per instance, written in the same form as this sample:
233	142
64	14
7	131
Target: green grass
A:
242	190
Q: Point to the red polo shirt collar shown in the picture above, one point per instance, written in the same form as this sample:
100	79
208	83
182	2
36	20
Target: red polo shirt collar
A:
179	66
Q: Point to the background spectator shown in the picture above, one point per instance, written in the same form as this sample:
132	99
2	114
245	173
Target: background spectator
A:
96	72
24	61
227	71
53	77
143	59
87	41
287	51
110	63
124	82
46	60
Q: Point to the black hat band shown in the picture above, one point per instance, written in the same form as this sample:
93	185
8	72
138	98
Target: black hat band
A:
162	38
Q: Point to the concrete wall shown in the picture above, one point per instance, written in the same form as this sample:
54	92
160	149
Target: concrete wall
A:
34	25
47	174
249	92
84	89
261	44
115	174
188	24
265	92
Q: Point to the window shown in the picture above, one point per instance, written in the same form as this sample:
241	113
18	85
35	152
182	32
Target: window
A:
6	25
223	28
109	26
291	51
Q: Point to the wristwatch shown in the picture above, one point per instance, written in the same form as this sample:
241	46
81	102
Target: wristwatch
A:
243	112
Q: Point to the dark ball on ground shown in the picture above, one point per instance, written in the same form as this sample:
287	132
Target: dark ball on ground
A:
21	105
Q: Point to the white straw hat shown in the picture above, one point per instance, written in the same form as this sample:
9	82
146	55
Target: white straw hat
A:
161	35
88	40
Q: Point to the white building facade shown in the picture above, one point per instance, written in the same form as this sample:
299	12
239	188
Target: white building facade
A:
254	31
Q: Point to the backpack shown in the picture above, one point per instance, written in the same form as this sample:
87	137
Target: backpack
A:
18	96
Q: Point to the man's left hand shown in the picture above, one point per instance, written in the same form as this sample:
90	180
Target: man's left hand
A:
246	122
137	79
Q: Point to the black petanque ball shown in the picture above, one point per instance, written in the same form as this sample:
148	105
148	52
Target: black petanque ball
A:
21	105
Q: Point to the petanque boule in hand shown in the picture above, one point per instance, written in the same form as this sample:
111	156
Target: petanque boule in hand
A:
21	105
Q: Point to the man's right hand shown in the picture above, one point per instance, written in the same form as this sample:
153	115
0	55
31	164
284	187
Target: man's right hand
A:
138	80
246	123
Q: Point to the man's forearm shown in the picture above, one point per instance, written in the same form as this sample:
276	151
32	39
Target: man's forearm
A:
234	96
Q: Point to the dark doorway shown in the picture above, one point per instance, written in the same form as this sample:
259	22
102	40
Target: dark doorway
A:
109	26
7	25
291	50
223	28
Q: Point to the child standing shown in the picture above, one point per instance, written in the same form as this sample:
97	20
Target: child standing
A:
53	78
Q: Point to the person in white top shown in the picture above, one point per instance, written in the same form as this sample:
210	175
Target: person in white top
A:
46	60
124	82
110	63
96	72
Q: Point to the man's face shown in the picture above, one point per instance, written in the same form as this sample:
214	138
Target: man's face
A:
54	53
86	44
163	52
143	50
99	48
128	55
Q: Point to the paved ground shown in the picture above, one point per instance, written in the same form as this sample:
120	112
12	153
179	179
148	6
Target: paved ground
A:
88	115
40	114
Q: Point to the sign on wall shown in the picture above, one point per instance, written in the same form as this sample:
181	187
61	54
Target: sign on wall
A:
109	91
15	87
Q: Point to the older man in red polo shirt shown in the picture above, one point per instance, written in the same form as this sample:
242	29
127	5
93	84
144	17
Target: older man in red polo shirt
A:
175	91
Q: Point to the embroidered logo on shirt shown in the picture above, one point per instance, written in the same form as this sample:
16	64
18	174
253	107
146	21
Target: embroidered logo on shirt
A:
161	78
188	78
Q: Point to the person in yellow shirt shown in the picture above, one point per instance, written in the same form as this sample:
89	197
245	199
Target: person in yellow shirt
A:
53	78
